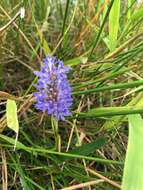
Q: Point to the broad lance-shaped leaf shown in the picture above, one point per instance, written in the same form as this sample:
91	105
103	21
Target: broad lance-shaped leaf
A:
11	115
133	169
87	149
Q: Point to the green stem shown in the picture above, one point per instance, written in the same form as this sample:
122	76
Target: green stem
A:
54	124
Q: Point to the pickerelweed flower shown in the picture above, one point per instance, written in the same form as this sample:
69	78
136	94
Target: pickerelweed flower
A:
54	91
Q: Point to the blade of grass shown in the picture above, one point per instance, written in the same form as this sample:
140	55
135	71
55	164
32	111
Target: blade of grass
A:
20	172
46	151
130	9
116	121
101	28
106	77
110	111
137	14
132	177
65	16
67	29
114	24
43	42
112	87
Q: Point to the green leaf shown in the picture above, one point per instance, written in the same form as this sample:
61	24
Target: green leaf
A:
133	178
114	24
87	148
11	115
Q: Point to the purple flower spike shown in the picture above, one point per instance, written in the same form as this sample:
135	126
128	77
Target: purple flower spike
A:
54	91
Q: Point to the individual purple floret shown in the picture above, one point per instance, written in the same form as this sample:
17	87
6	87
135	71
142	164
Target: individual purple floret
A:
54	91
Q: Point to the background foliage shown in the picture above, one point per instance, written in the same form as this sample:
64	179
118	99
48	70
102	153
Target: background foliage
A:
102	42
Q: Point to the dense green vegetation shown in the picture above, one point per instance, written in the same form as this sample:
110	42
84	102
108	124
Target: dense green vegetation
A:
102	41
